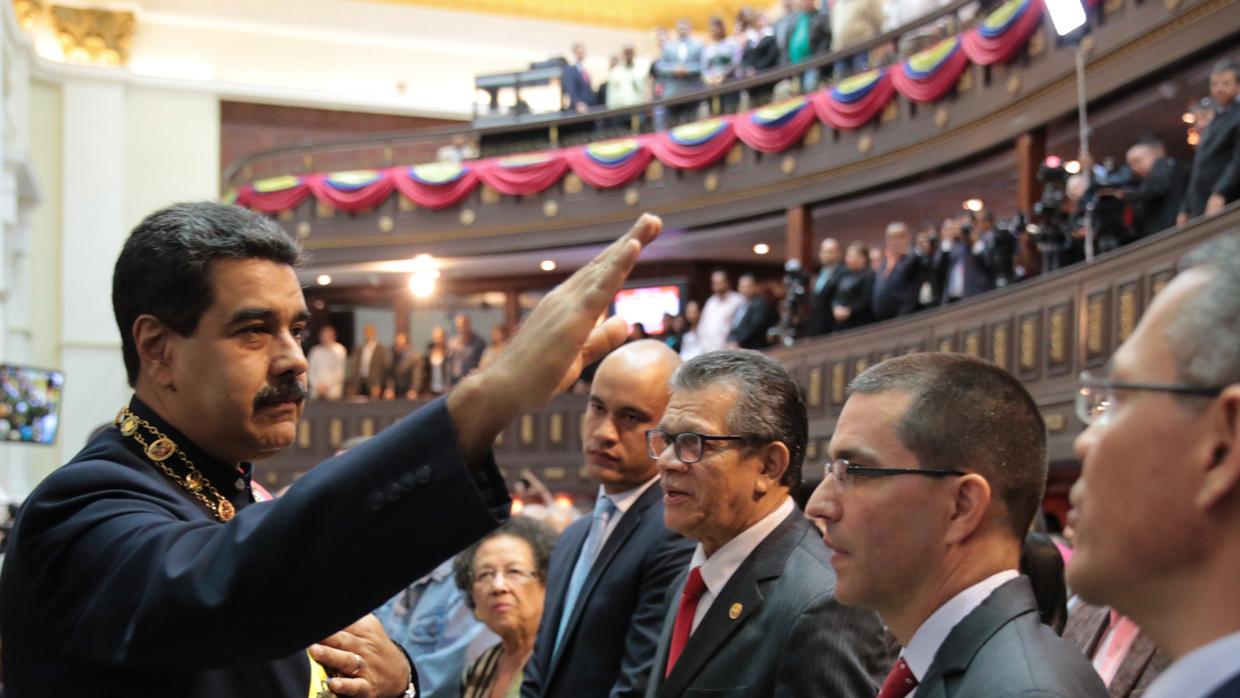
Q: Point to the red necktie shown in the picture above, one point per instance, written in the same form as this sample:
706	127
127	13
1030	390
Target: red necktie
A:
899	683
694	587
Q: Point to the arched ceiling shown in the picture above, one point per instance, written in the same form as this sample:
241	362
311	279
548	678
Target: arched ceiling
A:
626	14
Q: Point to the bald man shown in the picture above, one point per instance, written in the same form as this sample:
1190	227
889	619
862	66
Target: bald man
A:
610	572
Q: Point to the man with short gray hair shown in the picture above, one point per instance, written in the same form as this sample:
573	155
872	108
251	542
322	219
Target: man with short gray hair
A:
756	613
1163	448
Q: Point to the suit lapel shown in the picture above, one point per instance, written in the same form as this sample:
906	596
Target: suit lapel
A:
623	531
747	587
1140	652
1010	601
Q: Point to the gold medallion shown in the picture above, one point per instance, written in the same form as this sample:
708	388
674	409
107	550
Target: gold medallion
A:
160	449
129	425
225	510
735	611
193	482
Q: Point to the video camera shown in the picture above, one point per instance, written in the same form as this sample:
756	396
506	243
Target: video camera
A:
796	301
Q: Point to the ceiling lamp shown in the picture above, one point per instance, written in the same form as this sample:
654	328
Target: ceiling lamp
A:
324	279
547	265
761	248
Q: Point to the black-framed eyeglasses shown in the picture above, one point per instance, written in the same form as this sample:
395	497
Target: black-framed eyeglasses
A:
688	446
1097	394
842	471
514	576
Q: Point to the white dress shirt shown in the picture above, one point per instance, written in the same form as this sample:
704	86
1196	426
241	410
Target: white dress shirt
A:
719	568
715	323
623	501
930	636
1199	672
327	367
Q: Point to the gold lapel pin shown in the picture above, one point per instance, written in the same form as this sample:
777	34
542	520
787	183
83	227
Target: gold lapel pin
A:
735	611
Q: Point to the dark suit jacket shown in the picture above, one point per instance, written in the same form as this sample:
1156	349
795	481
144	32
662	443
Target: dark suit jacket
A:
895	294
609	643
1087	625
380	363
1158	198
758	316
576	88
762	55
821	320
978	277
790	637
1003	649
855	291
119	583
1231	689
1216	166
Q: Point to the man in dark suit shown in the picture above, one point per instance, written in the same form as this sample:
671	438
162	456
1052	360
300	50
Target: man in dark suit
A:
962	260
1160	192
897	281
822	288
853	299
610	574
1125	657
369	364
1171	395
145	567
755	614
575	83
938	463
756	317
1215	177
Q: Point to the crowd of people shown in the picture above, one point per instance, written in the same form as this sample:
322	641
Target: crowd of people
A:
377	371
153	563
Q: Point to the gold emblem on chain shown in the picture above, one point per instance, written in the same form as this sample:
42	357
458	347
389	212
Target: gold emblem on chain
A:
163	448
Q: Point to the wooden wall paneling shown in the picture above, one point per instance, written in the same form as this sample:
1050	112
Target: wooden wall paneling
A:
973	341
1060	324
1001	344
1097	327
1129	306
1029	346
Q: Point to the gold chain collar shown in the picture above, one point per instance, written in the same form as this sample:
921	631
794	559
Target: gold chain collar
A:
163	448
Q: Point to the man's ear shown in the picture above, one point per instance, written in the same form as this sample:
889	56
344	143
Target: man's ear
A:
775	459
970	507
153	342
1221	478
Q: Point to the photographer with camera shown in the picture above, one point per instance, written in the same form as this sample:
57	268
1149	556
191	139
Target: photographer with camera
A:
963	260
1159	192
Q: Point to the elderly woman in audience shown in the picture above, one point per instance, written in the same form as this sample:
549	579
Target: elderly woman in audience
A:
503	577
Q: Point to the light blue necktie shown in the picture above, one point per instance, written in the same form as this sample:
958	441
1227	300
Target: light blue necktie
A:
603	509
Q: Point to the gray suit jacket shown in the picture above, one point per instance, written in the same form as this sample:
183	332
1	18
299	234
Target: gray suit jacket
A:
790	637
1003	649
1086	627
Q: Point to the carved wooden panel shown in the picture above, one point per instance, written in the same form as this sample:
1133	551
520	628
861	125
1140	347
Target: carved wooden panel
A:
839	382
1001	344
1059	333
1097	327
973	342
1029	346
1128	309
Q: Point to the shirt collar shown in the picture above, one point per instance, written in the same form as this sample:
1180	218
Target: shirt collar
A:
1199	672
930	636
625	500
222	475
719	568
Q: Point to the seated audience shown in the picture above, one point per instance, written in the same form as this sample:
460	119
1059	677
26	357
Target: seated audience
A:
368	366
854	293
1170	395
937	469
821	319
1125	658
1215	178
757	316
328	360
609	578
896	281
755	613
1159	193
503	577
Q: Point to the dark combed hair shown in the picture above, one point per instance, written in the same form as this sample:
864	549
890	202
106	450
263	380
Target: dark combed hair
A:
769	404
538	535
967	413
164	268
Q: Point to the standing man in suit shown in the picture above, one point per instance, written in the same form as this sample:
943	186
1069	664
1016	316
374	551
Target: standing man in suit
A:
464	350
368	367
755	614
854	292
938	463
755	318
962	260
610	573
821	320
575	84
145	567
1160	193
1163	446
897	281
679	68
1215	178
1125	658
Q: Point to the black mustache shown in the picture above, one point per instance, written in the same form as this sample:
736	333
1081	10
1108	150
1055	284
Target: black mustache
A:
288	391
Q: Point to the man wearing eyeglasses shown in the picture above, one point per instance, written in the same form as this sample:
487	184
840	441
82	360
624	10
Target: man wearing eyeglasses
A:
755	614
1157	506
608	580
938	464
